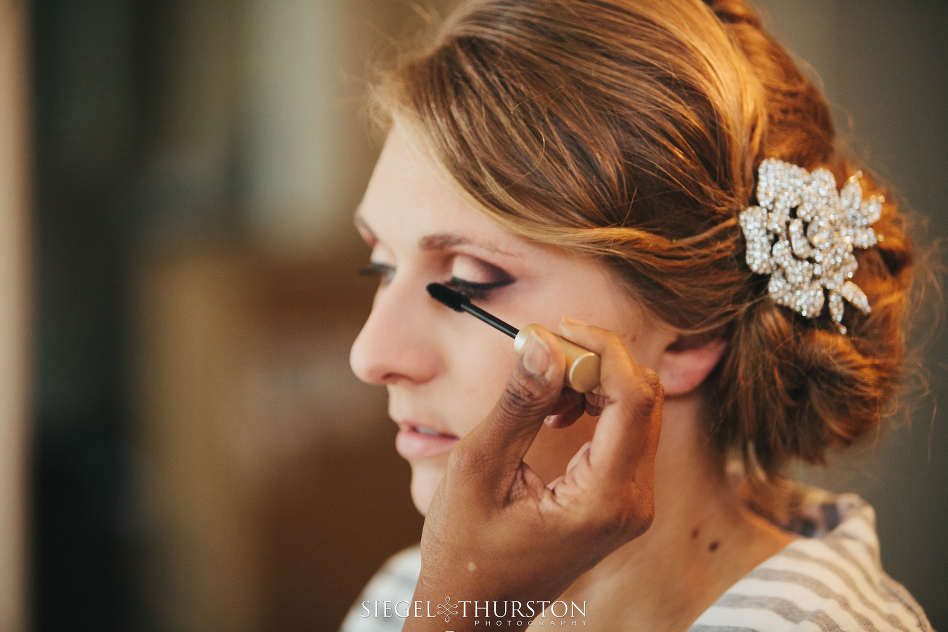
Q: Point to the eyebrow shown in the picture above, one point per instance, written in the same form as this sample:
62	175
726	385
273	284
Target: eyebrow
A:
441	241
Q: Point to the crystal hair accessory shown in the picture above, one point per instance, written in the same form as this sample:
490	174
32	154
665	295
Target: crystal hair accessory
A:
803	235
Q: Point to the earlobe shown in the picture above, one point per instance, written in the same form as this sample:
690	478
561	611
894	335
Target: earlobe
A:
688	360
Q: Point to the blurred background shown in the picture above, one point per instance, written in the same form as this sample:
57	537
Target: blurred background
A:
182	445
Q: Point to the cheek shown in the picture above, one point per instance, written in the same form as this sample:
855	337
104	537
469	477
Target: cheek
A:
482	371
480	374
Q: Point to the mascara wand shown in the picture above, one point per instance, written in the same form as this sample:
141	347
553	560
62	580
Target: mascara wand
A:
582	365
460	303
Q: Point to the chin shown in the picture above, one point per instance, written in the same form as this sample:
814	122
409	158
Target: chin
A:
425	478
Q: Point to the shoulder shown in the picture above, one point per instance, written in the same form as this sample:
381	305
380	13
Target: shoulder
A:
833	581
375	610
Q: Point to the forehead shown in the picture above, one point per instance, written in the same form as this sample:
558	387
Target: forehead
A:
407	205
407	198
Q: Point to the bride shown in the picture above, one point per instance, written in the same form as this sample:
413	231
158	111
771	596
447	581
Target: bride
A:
658	183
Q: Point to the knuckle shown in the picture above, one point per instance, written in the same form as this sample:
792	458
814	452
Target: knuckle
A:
596	400
593	410
651	378
637	407
650	375
613	339
521	397
644	395
515	401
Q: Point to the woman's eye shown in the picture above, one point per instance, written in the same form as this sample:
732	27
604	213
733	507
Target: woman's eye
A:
488	277
383	271
476	291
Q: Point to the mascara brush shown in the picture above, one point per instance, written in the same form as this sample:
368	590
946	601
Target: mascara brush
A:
582	365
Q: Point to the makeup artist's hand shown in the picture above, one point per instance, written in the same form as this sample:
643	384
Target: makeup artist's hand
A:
495	531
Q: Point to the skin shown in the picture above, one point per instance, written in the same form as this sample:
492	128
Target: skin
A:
647	530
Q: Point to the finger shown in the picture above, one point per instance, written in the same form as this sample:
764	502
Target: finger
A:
594	401
568	400
565	419
495	448
572	405
579	456
567	409
626	436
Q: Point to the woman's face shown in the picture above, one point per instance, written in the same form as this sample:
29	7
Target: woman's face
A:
444	371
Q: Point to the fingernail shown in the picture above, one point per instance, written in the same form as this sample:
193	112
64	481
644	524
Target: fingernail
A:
566	320
536	355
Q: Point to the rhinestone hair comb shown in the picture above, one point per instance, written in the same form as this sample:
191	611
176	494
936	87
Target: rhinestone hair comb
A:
803	235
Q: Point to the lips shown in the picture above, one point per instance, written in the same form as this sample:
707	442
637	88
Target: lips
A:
422	442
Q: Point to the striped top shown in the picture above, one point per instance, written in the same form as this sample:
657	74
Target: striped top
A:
831	579
395	581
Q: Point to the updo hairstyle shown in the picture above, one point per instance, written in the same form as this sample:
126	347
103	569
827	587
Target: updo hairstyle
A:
631	130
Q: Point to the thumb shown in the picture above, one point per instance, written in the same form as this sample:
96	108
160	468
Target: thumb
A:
500	442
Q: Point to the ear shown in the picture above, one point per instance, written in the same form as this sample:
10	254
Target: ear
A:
688	360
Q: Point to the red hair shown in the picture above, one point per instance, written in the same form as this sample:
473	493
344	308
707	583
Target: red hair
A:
631	131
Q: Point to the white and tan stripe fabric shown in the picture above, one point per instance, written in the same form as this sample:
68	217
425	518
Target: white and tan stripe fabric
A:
830	580
394	582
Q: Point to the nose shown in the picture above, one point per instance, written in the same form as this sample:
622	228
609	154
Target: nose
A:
395	343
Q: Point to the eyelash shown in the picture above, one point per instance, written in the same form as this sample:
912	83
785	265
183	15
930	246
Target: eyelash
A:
472	290
383	271
476	291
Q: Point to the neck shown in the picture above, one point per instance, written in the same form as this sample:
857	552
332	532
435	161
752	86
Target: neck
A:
702	540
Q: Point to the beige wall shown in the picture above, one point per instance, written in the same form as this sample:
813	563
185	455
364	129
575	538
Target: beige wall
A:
13	316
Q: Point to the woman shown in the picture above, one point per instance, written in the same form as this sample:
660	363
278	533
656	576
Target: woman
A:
663	175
